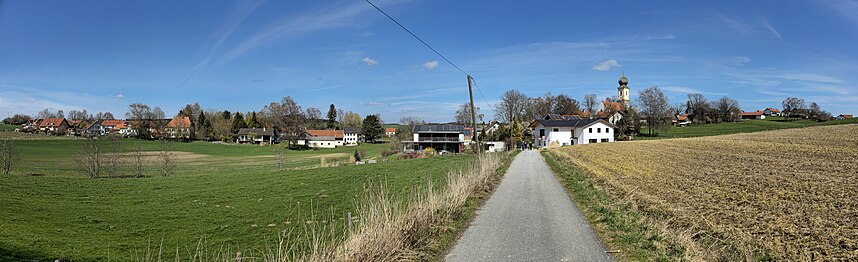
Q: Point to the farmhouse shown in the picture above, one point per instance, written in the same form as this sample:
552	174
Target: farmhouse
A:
255	136
114	125
440	137
352	135
680	120
57	126
843	117
322	138
94	129
772	112
390	131
179	128
571	131
754	115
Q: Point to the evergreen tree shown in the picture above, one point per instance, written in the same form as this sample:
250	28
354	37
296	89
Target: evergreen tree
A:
372	128
253	122
203	126
332	117
238	122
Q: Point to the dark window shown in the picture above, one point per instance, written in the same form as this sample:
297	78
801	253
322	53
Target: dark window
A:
604	140
599	130
593	141
555	130
541	132
590	130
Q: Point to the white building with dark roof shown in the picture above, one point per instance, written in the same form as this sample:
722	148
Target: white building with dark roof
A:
352	135
450	138
571	131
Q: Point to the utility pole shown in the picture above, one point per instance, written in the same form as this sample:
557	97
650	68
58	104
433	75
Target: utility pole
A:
476	138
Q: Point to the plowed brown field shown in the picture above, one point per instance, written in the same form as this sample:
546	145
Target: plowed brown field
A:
783	195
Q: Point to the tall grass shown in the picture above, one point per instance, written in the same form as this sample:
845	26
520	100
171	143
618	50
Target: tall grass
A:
384	226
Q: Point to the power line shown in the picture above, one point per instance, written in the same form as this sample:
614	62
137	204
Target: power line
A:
418	38
481	93
433	50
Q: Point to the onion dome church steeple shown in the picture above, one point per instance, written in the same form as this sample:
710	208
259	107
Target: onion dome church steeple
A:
623	90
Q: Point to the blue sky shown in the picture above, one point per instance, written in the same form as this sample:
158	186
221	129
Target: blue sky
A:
241	55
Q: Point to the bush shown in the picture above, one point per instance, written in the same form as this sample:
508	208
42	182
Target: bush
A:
387	153
410	155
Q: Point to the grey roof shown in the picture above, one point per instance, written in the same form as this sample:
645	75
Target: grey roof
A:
352	130
258	131
445	128
561	117
569	123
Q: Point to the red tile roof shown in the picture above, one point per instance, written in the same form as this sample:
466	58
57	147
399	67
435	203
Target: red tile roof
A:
755	113
49	122
846	116
773	110
332	133
682	117
390	130
180	122
115	123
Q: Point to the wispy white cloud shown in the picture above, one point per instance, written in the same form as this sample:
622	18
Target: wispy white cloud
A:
765	23
846	8
739	60
120	95
687	90
372	103
746	26
15	100
370	61
431	64
224	32
607	65
337	17
667	36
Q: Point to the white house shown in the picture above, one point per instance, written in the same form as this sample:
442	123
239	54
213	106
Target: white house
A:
255	136
322	138
571	132
351	135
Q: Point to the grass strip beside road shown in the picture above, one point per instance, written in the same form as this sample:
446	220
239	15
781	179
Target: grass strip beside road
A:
622	229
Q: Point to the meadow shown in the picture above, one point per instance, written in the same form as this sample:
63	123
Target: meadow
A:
44	155
776	195
222	198
744	126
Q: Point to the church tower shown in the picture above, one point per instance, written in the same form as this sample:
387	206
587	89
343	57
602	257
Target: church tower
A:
623	90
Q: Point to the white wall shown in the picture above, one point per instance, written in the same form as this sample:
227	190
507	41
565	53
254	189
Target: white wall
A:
599	131
563	136
351	139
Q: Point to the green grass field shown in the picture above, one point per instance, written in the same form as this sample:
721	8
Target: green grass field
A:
5	127
743	126
53	156
51	210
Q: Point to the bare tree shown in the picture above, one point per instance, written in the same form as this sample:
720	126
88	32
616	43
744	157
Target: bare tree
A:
793	107
279	157
698	107
463	115
287	116
591	104
564	104
166	159
90	156
728	109
139	160
677	109
653	107
512	106
7	155
113	148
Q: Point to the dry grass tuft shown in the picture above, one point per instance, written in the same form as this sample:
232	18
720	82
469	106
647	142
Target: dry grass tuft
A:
777	195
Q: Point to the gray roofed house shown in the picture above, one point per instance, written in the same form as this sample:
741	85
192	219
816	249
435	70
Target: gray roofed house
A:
439	128
574	131
352	135
255	136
